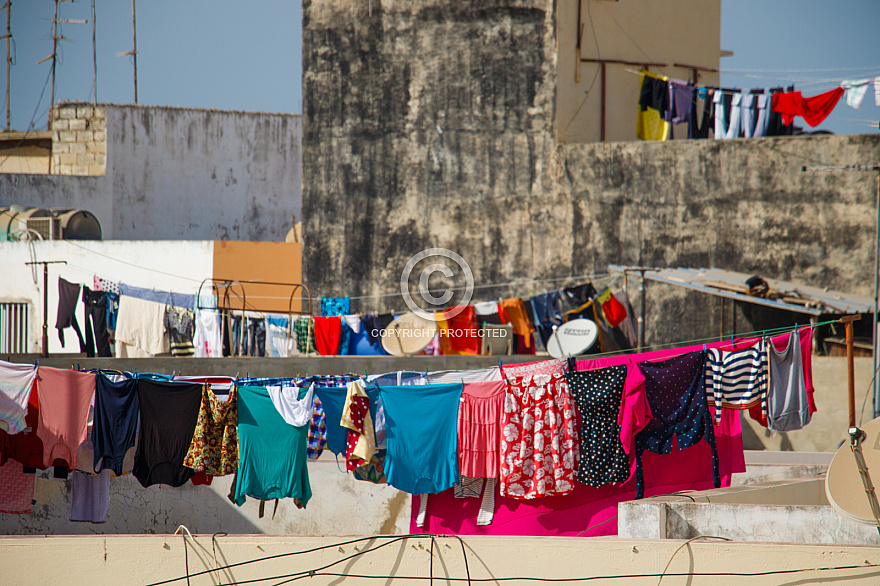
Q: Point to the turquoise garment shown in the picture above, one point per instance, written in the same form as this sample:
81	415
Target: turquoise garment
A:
421	423
271	452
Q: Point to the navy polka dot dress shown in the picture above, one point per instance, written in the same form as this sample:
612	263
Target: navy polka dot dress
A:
676	393
597	394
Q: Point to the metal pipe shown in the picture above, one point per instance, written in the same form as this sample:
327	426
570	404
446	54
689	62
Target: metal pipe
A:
876	295
134	50
8	57
642	312
850	374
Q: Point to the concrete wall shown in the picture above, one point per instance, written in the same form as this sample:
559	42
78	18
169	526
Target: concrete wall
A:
165	266
143	559
635	31
133	509
173	173
792	511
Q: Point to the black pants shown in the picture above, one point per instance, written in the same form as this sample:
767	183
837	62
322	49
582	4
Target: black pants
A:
95	303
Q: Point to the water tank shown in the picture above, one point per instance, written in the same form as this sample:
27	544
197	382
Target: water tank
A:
51	224
78	225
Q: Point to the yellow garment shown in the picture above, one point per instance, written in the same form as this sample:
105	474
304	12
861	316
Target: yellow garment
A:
649	124
366	444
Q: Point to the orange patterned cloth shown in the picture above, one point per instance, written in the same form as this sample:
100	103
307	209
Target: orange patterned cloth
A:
513	311
214	446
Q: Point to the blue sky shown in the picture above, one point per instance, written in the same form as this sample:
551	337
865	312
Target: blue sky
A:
248	56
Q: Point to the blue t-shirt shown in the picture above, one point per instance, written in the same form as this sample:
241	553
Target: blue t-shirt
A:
422	436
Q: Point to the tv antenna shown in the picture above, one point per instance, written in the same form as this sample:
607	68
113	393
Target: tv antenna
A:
134	49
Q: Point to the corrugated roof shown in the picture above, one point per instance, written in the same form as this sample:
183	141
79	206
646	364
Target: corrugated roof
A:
782	294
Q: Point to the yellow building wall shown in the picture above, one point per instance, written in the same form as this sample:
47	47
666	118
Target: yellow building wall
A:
151	559
275	262
673	31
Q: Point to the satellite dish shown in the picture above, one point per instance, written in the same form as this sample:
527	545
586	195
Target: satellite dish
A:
408	334
573	338
844	486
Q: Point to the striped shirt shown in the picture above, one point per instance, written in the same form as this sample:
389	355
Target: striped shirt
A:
737	378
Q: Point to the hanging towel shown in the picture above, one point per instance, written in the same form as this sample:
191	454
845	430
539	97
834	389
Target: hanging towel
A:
16	382
328	332
653	105
754	115
141	324
814	110
206	340
854	91
89	496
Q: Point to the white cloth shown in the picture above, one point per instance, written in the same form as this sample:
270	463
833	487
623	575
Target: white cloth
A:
477	375
281	345
207	340
16	382
877	90
855	90
487	505
423	508
89	496
486	307
141	324
354	322
754	115
295	412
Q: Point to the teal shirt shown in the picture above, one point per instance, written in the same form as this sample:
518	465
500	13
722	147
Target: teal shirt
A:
271	452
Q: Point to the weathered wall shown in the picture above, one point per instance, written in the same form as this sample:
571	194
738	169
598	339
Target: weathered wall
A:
424	123
340	505
431	125
173	173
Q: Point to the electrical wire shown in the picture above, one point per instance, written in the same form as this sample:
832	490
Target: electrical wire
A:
868	392
678	549
596	525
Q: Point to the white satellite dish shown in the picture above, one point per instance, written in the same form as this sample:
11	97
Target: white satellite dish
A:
845	486
408	334
572	338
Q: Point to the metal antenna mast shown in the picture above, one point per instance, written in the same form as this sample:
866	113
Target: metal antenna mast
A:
134	50
8	8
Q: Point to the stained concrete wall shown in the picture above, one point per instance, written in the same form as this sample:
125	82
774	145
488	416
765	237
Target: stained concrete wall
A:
431	125
181	174
340	505
153	559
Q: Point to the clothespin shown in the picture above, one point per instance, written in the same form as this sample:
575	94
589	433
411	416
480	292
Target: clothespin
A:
36	363
77	365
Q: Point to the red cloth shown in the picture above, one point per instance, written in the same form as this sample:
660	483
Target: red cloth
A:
461	333
201	478
328	333
25	447
16	489
813	110
614	311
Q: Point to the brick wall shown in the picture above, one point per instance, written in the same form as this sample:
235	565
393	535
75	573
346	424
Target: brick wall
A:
79	140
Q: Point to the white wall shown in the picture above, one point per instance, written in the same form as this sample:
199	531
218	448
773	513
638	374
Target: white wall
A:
178	266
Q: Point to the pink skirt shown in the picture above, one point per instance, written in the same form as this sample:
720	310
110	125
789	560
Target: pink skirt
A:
479	429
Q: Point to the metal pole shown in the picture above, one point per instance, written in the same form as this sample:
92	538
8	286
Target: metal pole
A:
44	352
54	60
876	295
642	313
94	53
45	346
134	50
8	57
850	374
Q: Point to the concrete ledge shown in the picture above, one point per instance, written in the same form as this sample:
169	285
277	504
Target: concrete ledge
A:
793	511
277	367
